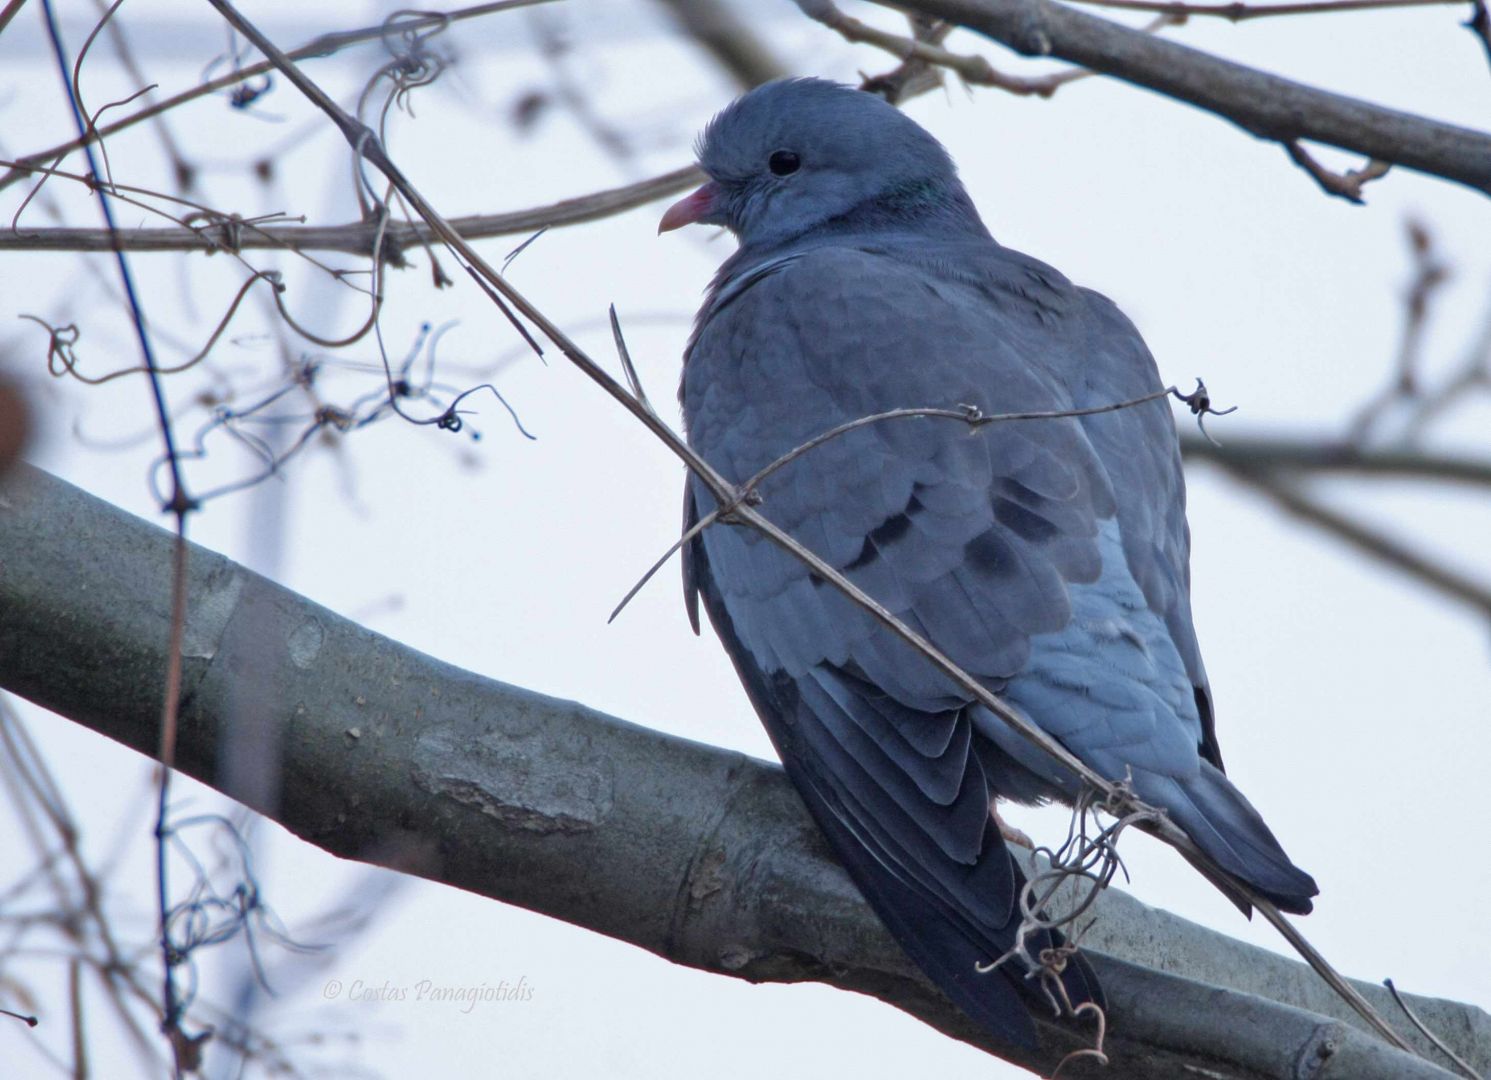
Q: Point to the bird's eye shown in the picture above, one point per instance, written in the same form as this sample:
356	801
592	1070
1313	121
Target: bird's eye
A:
783	163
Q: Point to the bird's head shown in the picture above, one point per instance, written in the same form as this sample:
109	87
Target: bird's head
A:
800	155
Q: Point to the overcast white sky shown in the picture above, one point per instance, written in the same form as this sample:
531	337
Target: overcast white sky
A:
1352	703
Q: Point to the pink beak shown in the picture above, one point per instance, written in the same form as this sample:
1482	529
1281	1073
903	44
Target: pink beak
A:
690	209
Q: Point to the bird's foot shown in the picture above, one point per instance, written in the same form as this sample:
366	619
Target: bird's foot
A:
1010	833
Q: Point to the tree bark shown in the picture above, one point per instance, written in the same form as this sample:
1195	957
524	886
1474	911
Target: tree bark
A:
703	856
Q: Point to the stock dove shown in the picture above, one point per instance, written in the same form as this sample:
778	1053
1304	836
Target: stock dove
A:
1048	558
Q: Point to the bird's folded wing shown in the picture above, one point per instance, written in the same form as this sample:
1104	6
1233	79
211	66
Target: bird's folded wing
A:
972	536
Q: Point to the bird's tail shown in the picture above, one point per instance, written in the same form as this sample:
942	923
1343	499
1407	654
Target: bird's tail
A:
1224	824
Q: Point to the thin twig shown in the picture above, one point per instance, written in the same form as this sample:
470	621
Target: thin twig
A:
183	173
61	359
221	231
1347	185
356	237
478	268
324	45
1460	1063
75	1010
1479	24
913	75
1429	276
34	787
1088	864
970	67
10	12
628	368
1471	374
748	491
968	414
180	505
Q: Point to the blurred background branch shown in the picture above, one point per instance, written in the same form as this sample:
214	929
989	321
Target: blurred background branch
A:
1265	105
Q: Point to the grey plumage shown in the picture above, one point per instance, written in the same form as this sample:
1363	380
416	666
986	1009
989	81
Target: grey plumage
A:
1047	558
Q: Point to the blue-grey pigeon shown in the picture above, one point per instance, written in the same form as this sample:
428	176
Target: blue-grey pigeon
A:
1047	558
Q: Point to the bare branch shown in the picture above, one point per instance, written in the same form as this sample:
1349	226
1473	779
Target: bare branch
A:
9	13
1395	553
732	41
183	173
971	68
324	45
1266	105
180	505
1347	185
62	360
1460	1063
1479	24
1430	273
967	414
1239	12
749	492
1323	454
913	75
358	237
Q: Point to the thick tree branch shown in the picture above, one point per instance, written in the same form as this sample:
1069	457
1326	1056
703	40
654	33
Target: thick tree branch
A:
1266	105
702	856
